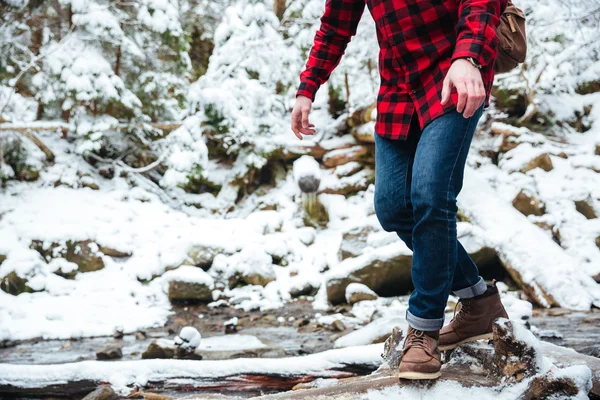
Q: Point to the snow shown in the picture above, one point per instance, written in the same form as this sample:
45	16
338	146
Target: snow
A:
358	288
231	342
306	166
241	105
189	338
189	274
378	329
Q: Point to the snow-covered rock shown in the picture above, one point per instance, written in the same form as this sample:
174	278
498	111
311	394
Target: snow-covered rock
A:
188	338
188	283
356	292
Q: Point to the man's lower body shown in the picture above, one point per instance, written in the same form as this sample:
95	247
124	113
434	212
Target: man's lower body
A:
416	185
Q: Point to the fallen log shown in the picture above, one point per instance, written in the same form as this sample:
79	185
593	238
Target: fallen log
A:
548	275
250	376
515	355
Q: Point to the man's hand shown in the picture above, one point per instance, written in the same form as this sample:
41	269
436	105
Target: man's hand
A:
300	113
466	78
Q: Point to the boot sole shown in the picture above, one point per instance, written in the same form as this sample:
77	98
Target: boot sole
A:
418	375
485	336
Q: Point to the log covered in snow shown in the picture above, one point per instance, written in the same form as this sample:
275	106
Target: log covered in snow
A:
250	375
549	275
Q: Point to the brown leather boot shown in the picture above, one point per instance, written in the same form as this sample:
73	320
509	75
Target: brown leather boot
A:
421	356
474	319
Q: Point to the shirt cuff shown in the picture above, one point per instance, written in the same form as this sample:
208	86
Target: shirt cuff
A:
307	89
471	48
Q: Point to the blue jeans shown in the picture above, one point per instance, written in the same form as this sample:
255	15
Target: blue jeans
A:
416	184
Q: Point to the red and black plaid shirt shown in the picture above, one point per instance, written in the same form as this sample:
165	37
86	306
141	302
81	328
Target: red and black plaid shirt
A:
418	40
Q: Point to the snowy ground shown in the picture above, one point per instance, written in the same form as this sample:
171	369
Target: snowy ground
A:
136	221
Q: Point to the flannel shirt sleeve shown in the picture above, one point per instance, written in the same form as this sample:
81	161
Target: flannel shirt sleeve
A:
476	30
338	25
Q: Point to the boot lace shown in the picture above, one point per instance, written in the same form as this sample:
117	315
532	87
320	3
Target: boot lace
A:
416	339
463	312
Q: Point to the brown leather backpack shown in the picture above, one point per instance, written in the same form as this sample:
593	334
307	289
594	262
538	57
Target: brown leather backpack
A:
512	47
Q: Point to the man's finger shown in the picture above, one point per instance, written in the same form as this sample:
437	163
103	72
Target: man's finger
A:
446	91
305	113
307	131
472	100
462	96
296	124
481	91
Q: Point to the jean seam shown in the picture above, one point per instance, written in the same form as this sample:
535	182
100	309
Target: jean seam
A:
406	188
462	271
448	199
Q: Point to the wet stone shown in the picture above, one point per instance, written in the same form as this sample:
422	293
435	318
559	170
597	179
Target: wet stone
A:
160	348
103	392
111	351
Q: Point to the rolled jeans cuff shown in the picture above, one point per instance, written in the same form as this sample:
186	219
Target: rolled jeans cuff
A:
479	288
423	324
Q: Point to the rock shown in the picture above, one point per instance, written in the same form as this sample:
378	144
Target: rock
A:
111	351
597	152
356	292
343	156
113	253
354	241
14	284
28	173
231	326
347	169
350	184
307	174
542	161
306	289
102	392
160	348
88	182
188	339
140	394
593	350
338	326
202	256
190	284
388	274
598	242
364	133
2	258
596	278
86	254
189	291
586	208
527	205
251	266
508	143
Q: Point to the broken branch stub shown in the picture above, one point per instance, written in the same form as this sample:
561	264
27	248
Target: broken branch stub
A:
392	349
514	355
